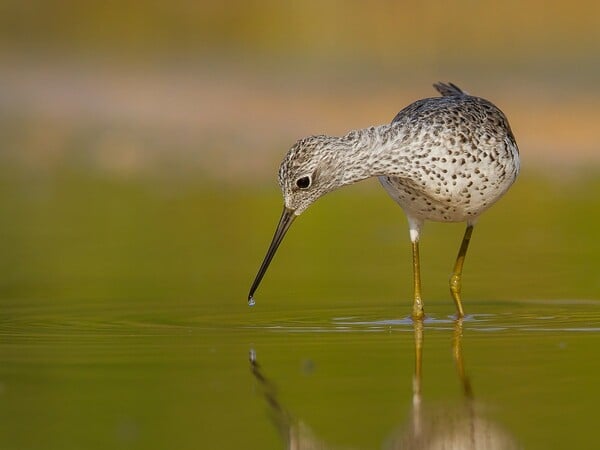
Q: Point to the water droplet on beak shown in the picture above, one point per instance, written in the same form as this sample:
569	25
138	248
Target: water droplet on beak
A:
251	301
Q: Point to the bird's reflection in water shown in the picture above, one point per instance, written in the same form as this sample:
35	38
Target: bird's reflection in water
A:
460	426
294	433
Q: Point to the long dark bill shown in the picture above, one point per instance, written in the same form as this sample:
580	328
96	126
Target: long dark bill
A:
287	217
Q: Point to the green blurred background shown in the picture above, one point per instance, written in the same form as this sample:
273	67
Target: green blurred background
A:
129	129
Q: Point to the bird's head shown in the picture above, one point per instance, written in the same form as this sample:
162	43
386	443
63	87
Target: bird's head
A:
309	170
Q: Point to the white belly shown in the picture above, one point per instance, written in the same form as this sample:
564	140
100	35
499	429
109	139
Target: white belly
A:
460	200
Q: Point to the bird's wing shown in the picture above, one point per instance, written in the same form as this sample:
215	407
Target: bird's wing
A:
448	89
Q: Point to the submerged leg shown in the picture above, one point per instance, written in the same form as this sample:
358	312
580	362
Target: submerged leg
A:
415	228
417	398
459	360
456	278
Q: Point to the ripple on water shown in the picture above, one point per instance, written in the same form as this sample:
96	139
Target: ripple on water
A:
566	316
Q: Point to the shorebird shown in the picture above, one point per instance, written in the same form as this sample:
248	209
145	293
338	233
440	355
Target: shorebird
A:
445	159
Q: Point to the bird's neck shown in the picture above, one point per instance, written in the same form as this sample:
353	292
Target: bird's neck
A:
370	152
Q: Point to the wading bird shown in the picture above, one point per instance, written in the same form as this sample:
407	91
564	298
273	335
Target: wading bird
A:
444	159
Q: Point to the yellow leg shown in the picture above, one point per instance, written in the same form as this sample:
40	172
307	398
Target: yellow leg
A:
417	312
456	278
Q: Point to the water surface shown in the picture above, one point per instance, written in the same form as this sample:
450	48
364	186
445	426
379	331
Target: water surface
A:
124	323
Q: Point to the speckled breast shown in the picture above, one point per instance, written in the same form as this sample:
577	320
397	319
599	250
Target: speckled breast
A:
455	184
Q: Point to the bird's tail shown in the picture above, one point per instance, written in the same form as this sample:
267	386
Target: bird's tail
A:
448	89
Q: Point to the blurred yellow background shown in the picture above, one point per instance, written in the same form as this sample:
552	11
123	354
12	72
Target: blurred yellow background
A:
218	89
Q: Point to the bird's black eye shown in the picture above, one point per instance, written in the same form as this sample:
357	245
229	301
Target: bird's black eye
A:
303	182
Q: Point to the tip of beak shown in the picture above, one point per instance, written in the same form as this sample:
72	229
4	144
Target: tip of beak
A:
251	301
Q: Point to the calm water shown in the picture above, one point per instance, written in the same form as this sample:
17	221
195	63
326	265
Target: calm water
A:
124	321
